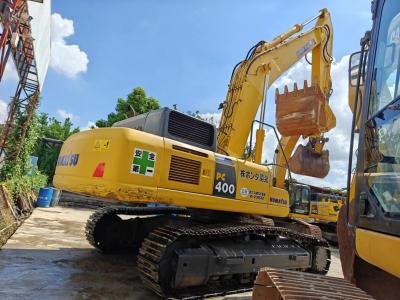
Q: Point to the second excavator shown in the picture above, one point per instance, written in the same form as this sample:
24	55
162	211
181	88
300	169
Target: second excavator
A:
224	214
369	222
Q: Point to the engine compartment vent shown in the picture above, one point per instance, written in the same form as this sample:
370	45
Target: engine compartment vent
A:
184	170
191	129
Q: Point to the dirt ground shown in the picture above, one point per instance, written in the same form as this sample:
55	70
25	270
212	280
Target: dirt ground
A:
48	258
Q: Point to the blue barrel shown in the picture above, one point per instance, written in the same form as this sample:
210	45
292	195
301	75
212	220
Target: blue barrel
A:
56	197
44	199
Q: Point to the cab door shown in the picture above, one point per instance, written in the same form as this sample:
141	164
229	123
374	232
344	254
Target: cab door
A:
376	209
378	188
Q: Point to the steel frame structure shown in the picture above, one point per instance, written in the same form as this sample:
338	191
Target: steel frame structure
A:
16	41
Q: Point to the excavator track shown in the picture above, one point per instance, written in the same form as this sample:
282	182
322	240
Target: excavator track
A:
103	219
302	226
167	230
155	253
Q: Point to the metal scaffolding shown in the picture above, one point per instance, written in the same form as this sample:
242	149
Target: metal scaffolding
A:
16	41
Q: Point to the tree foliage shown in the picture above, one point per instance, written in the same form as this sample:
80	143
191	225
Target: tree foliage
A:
136	100
17	167
15	170
49	127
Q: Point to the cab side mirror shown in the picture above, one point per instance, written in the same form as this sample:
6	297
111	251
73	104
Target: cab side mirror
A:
354	64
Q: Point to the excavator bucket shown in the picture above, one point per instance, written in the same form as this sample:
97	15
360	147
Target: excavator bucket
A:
303	111
306	162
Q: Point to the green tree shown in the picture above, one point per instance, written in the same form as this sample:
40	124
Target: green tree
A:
137	102
15	170
16	167
49	127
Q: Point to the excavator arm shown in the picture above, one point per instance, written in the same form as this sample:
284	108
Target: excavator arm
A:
252	77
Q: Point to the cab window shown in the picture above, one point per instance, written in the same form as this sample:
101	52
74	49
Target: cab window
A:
298	196
382	130
385	87
305	196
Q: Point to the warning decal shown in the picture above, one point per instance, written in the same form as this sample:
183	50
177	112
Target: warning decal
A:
143	162
101	145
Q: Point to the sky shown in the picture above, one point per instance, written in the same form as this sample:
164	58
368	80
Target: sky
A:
181	52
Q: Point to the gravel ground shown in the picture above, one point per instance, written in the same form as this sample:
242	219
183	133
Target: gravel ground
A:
49	258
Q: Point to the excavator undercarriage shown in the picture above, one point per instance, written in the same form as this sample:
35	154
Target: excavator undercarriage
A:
178	256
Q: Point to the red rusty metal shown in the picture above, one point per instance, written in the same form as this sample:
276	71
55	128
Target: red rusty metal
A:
301	112
15	20
10	23
305	161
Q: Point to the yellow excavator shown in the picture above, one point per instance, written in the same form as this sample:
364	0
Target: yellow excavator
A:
369	222
224	215
318	206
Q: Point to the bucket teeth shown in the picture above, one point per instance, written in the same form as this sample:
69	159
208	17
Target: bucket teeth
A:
296	91
286	90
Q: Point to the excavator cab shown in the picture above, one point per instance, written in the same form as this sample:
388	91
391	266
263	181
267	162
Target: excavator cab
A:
300	196
369	223
368	226
306	112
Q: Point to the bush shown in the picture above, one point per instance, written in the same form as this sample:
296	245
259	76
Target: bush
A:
14	170
20	187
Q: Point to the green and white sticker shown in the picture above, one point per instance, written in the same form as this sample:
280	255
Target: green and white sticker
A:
143	162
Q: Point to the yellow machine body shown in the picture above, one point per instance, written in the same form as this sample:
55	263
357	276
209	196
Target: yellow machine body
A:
173	159
324	210
373	247
327	209
378	249
369	230
184	175
100	162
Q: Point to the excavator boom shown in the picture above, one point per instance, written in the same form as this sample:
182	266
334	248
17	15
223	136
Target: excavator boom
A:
251	78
